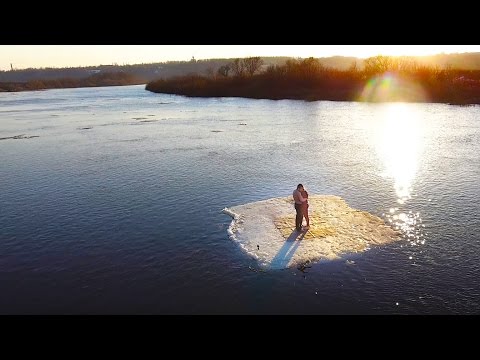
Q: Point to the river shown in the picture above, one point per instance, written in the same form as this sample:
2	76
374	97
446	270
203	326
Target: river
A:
111	203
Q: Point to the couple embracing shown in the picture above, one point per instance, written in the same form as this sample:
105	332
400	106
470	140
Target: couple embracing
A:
300	196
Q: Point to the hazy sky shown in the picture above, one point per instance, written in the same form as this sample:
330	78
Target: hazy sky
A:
35	56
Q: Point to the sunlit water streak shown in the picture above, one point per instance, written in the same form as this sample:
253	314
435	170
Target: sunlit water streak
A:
399	138
104	212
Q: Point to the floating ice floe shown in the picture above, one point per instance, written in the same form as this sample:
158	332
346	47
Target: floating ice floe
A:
266	231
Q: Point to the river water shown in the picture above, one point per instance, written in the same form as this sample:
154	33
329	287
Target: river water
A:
111	203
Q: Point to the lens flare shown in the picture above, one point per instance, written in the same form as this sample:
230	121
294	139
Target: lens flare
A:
390	87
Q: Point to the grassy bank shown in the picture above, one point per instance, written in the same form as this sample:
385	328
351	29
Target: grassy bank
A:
381	79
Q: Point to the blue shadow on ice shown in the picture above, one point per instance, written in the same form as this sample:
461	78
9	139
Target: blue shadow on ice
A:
285	254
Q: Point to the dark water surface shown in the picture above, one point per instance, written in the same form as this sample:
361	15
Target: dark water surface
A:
114	207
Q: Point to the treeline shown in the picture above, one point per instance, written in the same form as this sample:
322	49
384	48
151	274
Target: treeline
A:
152	71
101	79
147	72
381	78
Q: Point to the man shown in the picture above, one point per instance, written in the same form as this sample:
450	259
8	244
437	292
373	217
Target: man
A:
299	200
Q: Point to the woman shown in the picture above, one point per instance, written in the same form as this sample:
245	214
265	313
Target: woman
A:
305	207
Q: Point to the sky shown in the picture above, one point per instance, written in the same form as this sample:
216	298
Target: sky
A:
38	56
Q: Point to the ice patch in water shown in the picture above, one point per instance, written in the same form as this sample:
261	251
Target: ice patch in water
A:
266	231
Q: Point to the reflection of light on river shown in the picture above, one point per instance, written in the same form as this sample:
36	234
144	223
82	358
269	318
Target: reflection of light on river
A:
409	223
399	143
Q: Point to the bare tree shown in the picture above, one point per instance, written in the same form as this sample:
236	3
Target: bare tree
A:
407	64
310	66
379	64
305	68
224	70
252	64
238	67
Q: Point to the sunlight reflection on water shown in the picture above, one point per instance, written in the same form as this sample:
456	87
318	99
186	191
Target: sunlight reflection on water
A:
399	143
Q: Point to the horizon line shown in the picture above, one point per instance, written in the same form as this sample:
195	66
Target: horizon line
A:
210	59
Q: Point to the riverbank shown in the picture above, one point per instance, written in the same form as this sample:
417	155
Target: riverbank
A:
96	80
309	80
377	89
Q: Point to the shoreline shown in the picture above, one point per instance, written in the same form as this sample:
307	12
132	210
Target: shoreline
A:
355	92
383	79
23	87
14	88
96	80
311	99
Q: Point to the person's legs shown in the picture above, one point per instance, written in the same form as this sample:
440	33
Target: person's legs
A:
299	217
305	214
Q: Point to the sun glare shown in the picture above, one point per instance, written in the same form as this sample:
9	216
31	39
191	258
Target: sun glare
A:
399	142
389	87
